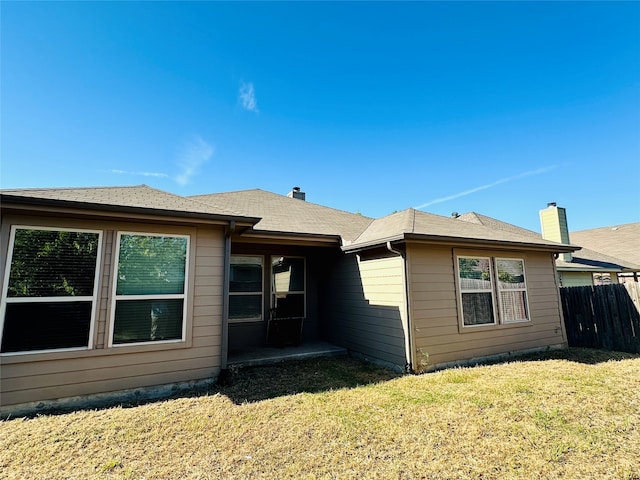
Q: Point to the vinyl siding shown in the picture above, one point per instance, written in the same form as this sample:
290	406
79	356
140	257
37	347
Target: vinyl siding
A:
439	338
48	376
576	279
366	308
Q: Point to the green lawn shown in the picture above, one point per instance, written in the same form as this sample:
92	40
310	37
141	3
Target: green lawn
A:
572	414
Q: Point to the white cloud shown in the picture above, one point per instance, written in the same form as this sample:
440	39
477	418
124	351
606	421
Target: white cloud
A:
195	153
530	173
143	174
248	97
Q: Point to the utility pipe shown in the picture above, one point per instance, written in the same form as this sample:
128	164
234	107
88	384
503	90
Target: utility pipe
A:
408	351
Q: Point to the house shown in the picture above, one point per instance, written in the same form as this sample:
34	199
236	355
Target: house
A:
617	241
586	266
607	254
131	289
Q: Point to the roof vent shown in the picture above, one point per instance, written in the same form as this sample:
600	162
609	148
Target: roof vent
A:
296	193
552	204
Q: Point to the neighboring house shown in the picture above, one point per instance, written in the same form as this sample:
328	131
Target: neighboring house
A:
617	241
107	289
584	267
607	254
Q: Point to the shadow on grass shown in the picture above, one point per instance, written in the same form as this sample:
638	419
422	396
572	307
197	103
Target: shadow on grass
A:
588	356
254	384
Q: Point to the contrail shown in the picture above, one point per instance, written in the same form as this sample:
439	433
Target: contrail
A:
488	185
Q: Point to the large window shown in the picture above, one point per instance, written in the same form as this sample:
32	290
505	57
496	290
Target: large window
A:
50	289
288	286
482	280
245	289
150	287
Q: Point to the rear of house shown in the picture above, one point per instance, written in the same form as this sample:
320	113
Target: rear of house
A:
106	290
101	297
453	291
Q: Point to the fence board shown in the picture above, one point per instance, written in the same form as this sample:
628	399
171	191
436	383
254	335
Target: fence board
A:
602	316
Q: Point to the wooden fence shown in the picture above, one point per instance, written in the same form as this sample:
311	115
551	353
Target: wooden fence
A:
603	316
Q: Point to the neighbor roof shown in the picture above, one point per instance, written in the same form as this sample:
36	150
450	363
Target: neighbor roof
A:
415	224
619	241
134	199
279	213
585	259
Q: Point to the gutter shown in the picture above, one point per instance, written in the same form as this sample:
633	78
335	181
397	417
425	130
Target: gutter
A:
224	342
459	241
408	350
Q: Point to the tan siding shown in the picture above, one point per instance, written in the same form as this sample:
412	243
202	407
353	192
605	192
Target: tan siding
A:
367	310
438	337
48	376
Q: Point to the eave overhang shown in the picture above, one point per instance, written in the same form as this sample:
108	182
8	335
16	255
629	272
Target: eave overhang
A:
288	238
459	241
99	210
582	268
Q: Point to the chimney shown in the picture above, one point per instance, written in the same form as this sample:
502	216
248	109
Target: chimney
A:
296	193
553	221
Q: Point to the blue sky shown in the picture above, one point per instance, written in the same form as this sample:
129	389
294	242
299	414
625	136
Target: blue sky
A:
496	108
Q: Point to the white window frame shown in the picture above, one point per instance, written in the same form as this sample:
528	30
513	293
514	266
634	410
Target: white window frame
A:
477	290
274	292
248	320
172	296
498	313
521	289
85	298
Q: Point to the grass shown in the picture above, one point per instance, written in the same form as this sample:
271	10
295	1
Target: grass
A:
570	414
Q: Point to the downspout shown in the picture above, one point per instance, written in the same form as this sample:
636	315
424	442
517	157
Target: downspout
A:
224	343
408	347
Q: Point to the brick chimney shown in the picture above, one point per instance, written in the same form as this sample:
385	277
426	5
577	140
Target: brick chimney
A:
553	221
296	193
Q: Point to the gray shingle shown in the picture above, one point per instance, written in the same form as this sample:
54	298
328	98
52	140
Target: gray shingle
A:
585	258
140	196
283	214
618	241
415	222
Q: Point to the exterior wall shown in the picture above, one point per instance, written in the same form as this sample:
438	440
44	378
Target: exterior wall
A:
32	377
575	279
367	307
437	335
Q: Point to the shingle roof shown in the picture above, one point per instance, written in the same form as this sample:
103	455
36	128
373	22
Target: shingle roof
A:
279	213
139	197
414	222
584	259
619	241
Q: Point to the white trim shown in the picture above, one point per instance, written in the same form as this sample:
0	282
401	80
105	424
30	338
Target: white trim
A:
239	294
85	298
490	290
499	316
172	296
520	289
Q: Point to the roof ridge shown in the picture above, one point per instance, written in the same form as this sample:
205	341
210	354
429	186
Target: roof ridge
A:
283	197
31	189
606	227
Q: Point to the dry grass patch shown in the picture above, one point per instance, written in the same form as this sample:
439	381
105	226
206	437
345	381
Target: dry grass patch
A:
546	417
